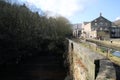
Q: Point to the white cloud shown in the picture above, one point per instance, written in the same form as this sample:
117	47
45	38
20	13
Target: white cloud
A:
118	18
63	7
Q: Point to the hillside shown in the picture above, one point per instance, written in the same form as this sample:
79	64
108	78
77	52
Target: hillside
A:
117	22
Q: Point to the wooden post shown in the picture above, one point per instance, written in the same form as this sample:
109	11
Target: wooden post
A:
108	52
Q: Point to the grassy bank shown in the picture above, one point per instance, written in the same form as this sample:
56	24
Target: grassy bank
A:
105	53
114	45
101	51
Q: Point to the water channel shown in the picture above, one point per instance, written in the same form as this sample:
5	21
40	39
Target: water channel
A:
104	49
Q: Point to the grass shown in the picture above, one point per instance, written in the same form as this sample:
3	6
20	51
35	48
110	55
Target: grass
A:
115	43
103	51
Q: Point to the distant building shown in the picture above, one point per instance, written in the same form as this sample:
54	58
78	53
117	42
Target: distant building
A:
77	30
98	28
115	32
102	26
87	31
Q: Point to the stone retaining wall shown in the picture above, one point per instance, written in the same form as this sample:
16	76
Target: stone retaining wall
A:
83	66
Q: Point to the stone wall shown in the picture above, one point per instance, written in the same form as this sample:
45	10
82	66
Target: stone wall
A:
106	72
83	64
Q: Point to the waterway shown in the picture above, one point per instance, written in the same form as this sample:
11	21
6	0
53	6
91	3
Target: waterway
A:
38	67
114	51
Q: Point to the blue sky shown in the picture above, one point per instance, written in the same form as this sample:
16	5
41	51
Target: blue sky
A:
108	8
77	11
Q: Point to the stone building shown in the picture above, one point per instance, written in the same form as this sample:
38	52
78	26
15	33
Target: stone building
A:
87	32
77	30
102	26
98	28
115	32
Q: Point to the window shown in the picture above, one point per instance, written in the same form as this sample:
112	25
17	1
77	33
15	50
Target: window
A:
113	30
106	29
101	29
72	46
95	24
101	23
106	24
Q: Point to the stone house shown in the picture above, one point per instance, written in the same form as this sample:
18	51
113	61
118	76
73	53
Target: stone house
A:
102	26
77	30
87	32
115	32
98	28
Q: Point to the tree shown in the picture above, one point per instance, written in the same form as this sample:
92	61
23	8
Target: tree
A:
23	31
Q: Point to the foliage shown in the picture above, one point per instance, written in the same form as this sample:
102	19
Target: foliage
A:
23	32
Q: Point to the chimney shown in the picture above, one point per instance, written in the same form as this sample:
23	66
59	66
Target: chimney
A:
100	14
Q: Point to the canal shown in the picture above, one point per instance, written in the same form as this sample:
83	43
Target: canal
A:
113	52
38	67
